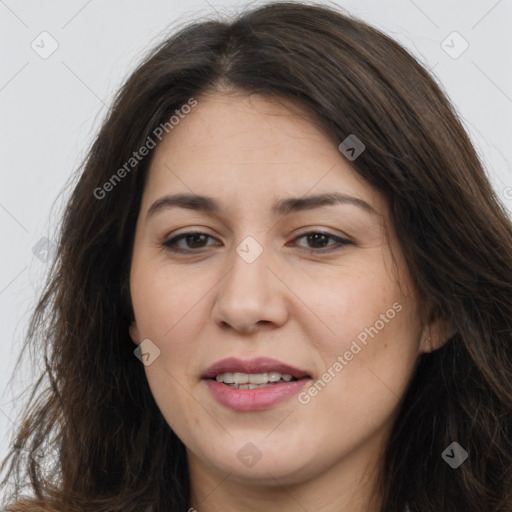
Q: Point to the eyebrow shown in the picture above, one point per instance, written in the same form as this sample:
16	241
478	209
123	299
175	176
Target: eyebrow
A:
282	207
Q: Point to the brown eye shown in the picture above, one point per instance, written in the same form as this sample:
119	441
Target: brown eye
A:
318	241
196	240
191	241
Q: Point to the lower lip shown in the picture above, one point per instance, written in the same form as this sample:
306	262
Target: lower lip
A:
256	399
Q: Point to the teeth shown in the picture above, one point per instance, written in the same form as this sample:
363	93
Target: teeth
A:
252	380
258	378
240	378
274	376
248	386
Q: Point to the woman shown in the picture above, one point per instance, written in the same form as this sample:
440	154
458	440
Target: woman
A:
283	283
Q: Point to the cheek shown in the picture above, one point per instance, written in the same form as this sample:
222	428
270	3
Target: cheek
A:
171	309
168	309
162	297
346	304
367	367
367	338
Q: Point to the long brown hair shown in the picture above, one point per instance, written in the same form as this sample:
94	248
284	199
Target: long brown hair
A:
93	406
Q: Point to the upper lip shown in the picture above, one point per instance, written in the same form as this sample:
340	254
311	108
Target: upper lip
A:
257	365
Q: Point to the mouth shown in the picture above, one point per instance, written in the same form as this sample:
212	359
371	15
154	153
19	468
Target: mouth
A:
259	371
256	384
239	380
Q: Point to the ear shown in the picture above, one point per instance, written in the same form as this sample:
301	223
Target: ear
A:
134	332
436	333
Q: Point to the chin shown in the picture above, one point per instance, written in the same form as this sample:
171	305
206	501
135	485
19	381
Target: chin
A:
266	465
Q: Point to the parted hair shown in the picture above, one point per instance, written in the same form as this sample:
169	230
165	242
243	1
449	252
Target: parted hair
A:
92	406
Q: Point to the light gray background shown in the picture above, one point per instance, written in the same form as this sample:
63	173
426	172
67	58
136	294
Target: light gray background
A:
51	108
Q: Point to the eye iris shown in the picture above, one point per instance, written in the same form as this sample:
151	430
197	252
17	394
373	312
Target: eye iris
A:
318	238
195	240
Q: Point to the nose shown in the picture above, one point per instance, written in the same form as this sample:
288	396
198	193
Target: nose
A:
251	296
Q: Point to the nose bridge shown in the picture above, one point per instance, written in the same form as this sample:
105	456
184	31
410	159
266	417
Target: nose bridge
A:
249	293
248	278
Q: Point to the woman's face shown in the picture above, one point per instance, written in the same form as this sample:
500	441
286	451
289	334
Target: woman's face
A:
278	281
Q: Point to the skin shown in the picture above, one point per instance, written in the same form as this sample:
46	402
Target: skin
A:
304	308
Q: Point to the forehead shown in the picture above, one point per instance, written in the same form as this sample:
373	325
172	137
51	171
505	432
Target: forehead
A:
251	148
241	128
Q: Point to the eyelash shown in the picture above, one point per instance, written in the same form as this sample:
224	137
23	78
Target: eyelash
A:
340	242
